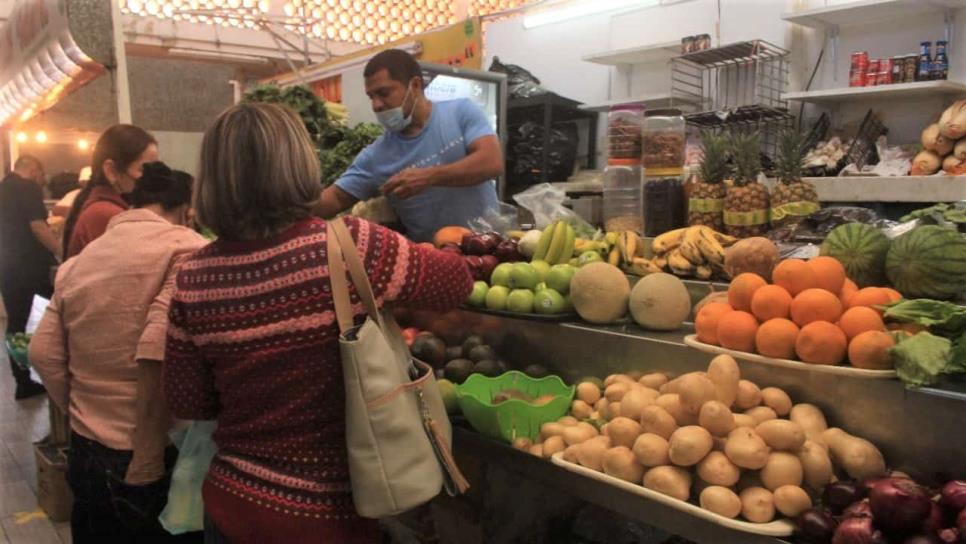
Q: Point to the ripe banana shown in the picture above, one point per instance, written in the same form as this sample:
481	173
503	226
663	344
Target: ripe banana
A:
724	239
558	240
544	243
703	272
630	245
712	250
614	257
668	241
568	248
678	264
611	238
660	262
642	267
689	246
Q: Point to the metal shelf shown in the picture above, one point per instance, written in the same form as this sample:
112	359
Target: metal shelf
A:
738	116
918	89
648	54
652	101
735	53
868	12
890	189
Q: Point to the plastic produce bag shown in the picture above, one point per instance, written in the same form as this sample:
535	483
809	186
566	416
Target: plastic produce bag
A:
545	202
185	510
520	82
893	161
37	309
500	219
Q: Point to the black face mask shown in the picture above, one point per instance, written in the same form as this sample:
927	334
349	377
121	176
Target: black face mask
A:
126	197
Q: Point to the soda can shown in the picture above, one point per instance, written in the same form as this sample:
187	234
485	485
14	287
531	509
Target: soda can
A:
872	73
858	69
898	69
884	76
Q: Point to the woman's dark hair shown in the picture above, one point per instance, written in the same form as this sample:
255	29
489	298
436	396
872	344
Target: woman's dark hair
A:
122	144
162	185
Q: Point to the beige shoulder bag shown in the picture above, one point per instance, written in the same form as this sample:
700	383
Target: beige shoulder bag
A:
397	432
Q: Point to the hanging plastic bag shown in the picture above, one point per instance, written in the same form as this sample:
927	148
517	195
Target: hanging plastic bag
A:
520	82
545	202
504	217
185	511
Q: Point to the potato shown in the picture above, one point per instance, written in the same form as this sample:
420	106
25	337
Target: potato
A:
588	392
551	429
651	450
721	501
623	431
576	435
695	390
782	468
716	418
777	400
635	375
674	406
689	445
522	443
674	386
620	463
816	465
588	428
724	373
616	391
781	434
613	410
580	409
744	420
748	395
635	401
762	414
792	500
615	378
653	380
570	454
859	457
601	405
553	445
537	450
671	481
657	420
591	453
811	419
746	449
757	505
717	469
568	421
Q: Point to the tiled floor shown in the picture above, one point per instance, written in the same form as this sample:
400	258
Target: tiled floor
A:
22	424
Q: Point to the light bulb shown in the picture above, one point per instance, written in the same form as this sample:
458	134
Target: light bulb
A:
83	144
22	137
41	137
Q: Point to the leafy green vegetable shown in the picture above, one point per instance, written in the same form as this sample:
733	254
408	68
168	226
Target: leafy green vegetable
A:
19	340
942	214
921	359
302	100
943	318
341	148
957	362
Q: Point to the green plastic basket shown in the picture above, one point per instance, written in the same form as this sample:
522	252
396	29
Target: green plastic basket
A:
18	356
512	418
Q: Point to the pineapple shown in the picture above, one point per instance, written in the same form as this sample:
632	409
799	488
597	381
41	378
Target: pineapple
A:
746	201
792	199
706	199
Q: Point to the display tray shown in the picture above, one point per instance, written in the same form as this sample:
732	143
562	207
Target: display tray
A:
777	528
552	318
692	340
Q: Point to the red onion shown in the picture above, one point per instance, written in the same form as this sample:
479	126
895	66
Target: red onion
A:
954	495
859	509
815	526
840	495
949	536
899	506
857	531
934	521
922	539
961	522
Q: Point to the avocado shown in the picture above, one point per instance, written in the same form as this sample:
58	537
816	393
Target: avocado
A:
480	353
536	371
429	349
471	342
454	352
503	366
458	370
487	367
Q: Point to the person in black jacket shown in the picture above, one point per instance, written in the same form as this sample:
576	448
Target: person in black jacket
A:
27	251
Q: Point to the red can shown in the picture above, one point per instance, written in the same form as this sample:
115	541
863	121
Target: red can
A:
859	67
872	73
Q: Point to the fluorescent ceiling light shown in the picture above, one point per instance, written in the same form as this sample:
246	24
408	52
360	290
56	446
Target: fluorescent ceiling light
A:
583	8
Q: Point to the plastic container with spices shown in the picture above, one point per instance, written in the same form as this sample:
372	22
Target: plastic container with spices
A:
624	134
623	199
664	142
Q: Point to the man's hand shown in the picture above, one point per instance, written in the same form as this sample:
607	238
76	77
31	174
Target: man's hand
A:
409	182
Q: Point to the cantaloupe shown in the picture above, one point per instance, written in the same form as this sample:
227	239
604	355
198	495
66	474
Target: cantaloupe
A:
660	302
599	293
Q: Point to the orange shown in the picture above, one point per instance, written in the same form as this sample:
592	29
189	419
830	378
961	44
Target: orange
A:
776	338
706	322
794	275
736	330
848	289
821	343
870	350
829	273
770	302
894	296
871	297
815	305
742	288
450	235
860	319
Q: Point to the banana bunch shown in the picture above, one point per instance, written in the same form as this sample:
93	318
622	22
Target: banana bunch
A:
697	251
556	245
627	252
337	112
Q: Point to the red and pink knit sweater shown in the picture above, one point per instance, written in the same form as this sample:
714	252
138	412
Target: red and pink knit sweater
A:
252	342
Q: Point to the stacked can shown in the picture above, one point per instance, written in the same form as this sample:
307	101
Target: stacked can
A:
859	68
872	73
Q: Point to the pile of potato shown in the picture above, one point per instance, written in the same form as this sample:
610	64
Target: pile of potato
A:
740	450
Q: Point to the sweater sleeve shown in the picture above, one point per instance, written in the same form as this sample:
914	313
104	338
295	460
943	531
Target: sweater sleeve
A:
187	378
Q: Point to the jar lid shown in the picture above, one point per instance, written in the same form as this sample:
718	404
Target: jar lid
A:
666	112
623	162
664	172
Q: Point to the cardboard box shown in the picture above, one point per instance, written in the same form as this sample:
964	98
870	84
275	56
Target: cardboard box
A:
53	493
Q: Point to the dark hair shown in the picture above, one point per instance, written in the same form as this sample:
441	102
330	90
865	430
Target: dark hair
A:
25	160
122	144
401	66
162	185
63	183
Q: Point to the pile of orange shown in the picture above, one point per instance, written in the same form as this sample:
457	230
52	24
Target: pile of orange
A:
811	312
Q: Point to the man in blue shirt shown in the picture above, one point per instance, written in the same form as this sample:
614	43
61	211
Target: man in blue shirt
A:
436	161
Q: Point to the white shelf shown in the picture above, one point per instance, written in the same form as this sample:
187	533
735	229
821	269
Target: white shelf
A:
651	101
648	54
866	12
896	90
891	189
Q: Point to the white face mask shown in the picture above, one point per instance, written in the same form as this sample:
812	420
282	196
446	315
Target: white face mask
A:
393	119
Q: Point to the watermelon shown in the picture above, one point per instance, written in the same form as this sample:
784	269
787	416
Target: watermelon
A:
862	251
928	262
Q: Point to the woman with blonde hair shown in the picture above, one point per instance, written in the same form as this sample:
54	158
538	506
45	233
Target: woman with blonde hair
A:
253	339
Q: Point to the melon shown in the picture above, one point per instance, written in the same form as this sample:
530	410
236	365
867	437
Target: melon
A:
660	302
599	293
862	251
928	262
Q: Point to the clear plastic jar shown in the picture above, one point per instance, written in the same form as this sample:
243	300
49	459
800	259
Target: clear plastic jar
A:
663	141
623	199
624	134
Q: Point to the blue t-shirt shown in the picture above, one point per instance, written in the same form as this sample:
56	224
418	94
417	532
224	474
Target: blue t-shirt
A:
452	127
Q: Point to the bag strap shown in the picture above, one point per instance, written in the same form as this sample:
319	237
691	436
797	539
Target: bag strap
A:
340	287
356	269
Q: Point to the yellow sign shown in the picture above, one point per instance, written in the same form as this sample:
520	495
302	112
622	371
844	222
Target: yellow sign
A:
459	45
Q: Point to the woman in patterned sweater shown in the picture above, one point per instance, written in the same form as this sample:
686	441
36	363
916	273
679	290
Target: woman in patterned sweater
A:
252	340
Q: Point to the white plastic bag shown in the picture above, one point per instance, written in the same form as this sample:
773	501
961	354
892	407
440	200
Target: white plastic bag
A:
545	202
185	511
37	309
